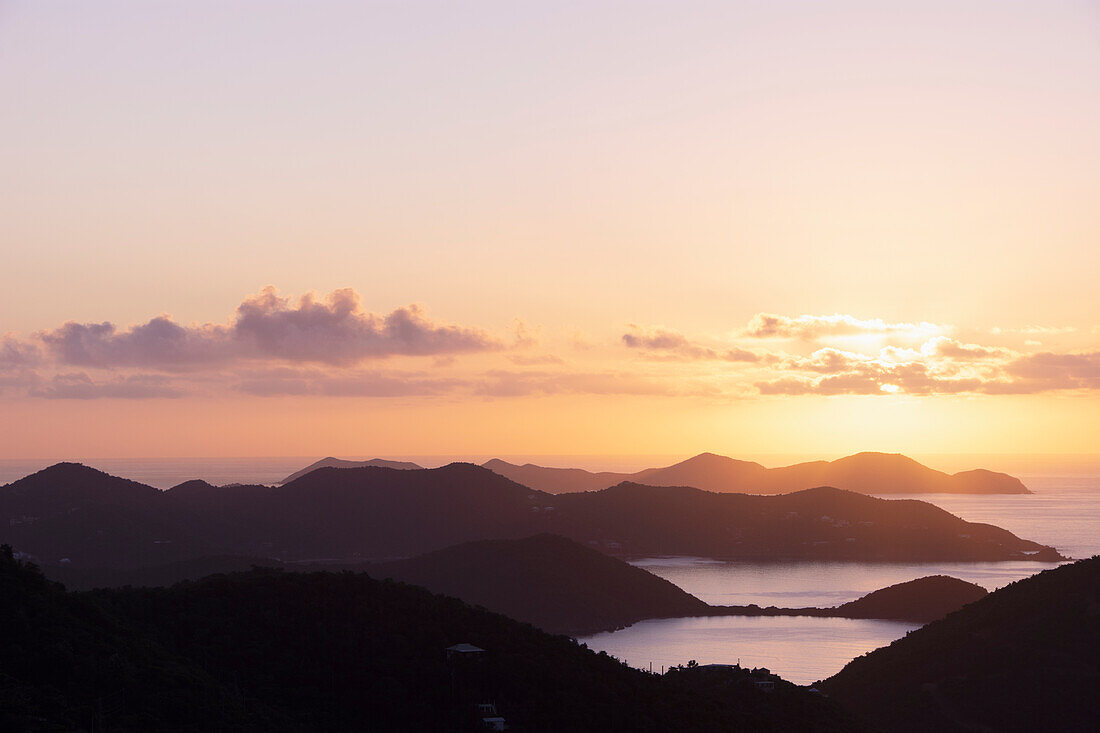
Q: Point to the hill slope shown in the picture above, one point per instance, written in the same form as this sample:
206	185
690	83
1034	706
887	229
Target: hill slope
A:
1024	658
75	512
359	514
924	599
271	651
821	523
549	581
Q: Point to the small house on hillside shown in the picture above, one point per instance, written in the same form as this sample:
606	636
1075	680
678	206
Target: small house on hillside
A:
464	651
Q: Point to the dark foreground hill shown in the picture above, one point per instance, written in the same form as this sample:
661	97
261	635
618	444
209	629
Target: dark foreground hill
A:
74	515
272	651
550	582
547	580
1024	658
865	473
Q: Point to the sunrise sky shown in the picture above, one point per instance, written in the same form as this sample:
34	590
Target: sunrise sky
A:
348	228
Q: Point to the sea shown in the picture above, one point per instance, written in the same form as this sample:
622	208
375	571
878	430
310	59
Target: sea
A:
1063	511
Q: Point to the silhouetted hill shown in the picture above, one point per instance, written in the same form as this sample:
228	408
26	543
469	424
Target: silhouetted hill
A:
381	512
1024	658
866	473
556	480
358	514
153	576
546	580
924	599
71	485
891	473
69	664
711	472
331	462
822	523
73	512
272	651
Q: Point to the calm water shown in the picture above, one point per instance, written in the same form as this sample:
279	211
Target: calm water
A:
797	584
800	649
1064	512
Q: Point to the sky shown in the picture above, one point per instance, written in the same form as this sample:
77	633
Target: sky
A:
372	228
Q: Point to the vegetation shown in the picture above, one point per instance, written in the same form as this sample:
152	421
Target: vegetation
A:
1024	658
549	581
268	650
924	599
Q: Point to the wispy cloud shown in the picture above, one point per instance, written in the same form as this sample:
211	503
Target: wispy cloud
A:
80	386
354	383
17	354
811	328
664	344
500	383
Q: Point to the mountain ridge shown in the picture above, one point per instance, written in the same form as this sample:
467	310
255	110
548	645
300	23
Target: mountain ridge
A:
377	513
867	472
330	462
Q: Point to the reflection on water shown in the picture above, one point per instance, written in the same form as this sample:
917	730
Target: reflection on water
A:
1064	512
799	649
821	584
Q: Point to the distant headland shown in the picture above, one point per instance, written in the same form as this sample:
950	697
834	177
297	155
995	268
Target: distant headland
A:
864	473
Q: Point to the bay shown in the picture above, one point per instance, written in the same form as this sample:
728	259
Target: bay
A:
799	649
1063	512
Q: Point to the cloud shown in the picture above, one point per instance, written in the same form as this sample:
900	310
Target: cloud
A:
812	328
330	346
663	344
158	343
338	331
333	330
952	349
16	354
535	360
658	339
827	361
21	380
907	371
1034	330
905	379
1048	371
79	386
942	366
346	385
517	384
